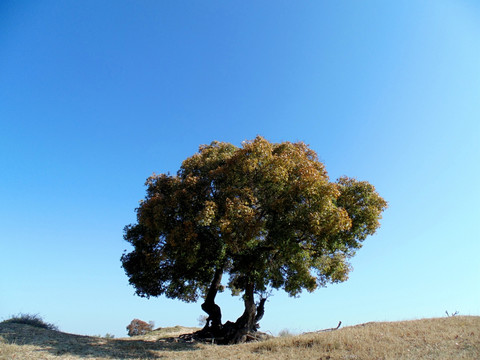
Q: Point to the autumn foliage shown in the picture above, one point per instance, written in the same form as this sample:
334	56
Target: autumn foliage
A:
265	214
138	327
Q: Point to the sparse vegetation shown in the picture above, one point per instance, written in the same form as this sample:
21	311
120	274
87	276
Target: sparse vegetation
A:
440	339
202	320
285	333
32	320
106	336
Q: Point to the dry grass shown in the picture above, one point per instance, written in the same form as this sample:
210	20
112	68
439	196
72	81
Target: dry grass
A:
446	338
440	339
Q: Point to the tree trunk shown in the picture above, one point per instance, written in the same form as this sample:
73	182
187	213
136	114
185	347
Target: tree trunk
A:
214	320
230	332
247	319
247	322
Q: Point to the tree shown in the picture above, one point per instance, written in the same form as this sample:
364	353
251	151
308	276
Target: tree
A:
139	327
265	214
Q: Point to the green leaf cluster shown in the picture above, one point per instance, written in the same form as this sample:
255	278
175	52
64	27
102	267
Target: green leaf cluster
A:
263	213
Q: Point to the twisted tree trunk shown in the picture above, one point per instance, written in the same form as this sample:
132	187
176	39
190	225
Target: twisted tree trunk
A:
230	332
247	322
214	320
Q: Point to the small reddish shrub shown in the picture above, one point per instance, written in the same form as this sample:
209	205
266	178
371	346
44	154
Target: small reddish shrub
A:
139	327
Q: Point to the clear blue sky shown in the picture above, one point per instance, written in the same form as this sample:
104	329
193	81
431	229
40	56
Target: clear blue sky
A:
96	96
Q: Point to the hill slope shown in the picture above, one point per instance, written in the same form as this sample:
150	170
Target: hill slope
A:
444	338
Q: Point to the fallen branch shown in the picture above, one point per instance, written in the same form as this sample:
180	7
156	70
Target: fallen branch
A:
453	314
331	329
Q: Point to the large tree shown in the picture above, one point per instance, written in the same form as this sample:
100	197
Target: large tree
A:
266	215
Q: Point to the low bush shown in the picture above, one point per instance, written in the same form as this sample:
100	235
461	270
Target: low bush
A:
32	320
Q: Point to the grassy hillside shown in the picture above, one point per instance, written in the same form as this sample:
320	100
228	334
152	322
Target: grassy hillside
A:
444	338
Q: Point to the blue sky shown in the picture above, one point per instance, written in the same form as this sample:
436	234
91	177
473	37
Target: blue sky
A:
96	96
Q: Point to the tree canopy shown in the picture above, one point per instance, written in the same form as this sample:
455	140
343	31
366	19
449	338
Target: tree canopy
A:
264	214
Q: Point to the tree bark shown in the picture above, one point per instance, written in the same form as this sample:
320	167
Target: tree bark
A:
214	320
247	322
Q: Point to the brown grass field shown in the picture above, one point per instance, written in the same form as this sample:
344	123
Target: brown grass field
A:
455	337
